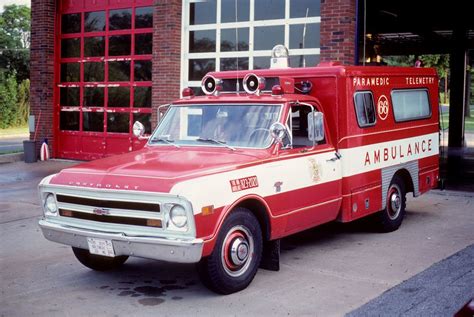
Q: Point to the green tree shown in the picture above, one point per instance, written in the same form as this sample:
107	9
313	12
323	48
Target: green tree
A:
441	63
8	101
15	40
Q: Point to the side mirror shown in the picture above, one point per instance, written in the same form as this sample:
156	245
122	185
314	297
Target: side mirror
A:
278	132
315	126
139	130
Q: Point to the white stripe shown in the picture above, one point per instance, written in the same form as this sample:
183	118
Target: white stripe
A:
295	173
354	160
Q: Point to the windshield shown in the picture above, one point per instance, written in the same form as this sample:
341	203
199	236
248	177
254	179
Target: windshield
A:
217	125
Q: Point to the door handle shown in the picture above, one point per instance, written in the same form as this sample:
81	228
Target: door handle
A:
335	158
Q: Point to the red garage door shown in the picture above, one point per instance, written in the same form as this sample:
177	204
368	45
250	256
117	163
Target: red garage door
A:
103	73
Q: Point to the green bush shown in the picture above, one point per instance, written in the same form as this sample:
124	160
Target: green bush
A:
8	101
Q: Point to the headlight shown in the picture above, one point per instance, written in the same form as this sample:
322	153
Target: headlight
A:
50	205
178	216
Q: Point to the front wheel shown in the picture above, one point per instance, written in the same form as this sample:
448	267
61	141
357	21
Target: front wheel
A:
236	256
391	217
98	262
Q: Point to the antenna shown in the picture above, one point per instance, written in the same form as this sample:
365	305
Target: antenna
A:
304	34
237	88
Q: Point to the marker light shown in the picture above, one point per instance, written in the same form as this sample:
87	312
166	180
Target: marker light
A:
277	90
187	92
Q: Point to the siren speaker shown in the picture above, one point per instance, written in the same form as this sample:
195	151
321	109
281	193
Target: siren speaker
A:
253	84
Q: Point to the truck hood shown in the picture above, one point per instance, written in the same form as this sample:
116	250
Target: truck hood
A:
155	169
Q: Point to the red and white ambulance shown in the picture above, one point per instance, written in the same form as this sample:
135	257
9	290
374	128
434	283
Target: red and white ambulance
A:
264	154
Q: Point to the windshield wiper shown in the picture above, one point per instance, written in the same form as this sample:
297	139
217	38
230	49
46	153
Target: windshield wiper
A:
209	140
165	140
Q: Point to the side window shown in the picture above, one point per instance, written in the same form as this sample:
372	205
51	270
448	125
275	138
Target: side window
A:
410	104
298	125
365	108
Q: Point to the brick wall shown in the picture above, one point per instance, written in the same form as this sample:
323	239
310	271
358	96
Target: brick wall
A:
42	68
338	31
166	53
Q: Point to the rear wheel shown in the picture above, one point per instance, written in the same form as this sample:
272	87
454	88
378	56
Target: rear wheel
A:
98	262
236	256
391	217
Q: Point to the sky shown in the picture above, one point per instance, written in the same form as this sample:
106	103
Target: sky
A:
8	2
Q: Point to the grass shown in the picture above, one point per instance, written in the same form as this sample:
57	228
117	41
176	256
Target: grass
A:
14	131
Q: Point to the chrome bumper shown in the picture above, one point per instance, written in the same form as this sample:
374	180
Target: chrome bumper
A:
158	248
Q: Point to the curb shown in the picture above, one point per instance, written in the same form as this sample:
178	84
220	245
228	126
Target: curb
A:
10	158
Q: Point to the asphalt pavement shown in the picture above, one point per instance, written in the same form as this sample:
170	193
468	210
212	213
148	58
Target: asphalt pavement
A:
12	143
424	268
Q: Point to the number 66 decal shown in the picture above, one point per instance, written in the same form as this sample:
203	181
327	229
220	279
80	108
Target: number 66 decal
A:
382	107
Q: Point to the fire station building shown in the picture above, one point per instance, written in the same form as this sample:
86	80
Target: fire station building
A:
97	66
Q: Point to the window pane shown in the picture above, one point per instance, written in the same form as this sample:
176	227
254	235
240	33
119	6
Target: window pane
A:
270	9
70	72
301	38
120	19
119	71
200	67
119	97
144	17
93	96
231	63
94	46
410	104
69	96
71	23
266	37
120	45
304	60
202	41
261	62
143	44
94	21
303	8
202	12
142	97
229	36
69	120
145	119
142	71
94	71
228	10
93	121
70	47
365	108
118	122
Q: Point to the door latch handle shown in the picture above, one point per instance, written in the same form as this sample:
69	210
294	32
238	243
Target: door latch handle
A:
335	158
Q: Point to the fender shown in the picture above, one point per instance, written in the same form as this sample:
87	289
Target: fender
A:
210	241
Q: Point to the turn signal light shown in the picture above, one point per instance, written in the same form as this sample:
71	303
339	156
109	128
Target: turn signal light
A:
153	223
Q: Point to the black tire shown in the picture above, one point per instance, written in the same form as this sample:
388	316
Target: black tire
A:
391	217
232	265
98	262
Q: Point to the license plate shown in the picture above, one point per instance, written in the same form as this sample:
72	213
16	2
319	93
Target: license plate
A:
101	247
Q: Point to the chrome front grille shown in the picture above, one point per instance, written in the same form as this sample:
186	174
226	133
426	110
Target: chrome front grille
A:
108	209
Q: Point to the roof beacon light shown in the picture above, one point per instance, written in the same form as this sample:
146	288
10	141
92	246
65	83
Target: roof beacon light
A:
253	84
187	92
280	57
211	85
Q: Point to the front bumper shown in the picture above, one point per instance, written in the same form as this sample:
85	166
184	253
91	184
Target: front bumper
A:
158	248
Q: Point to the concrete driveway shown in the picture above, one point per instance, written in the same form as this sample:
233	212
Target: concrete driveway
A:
327	271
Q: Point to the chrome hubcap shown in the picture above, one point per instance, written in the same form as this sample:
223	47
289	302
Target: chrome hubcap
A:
394	203
237	251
